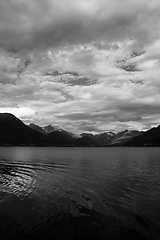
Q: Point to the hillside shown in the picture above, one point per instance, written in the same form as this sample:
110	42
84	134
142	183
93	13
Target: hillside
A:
13	131
148	138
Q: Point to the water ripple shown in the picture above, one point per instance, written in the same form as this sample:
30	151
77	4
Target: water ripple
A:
52	189
16	178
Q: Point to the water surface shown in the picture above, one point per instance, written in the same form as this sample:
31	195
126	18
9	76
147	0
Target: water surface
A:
80	193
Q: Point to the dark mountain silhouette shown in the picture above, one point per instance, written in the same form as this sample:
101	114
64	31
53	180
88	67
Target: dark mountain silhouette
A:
13	131
55	135
123	137
37	128
51	128
61	137
86	140
104	138
100	139
148	138
112	139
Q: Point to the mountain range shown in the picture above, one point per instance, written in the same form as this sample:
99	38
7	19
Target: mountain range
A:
13	132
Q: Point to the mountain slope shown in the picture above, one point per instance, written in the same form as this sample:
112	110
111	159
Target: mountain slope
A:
13	131
55	135
61	137
102	139
86	140
110	138
123	137
36	128
51	128
148	138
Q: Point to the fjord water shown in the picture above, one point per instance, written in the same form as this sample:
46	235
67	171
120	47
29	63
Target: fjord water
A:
79	193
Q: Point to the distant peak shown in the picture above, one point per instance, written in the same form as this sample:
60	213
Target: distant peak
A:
50	128
49	125
32	124
126	130
110	133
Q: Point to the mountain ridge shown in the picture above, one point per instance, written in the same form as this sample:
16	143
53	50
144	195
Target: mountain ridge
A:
14	132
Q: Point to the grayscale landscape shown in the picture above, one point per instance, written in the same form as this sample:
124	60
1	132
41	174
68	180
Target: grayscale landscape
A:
79	119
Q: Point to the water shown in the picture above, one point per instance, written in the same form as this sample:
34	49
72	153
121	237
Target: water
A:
79	193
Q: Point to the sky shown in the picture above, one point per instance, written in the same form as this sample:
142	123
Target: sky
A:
85	65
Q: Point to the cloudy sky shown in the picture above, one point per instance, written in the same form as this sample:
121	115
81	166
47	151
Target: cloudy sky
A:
86	65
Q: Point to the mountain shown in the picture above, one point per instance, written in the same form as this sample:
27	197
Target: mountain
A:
14	132
102	139
123	137
37	128
51	128
112	139
55	135
61	138
148	138
59	135
46	129
86	140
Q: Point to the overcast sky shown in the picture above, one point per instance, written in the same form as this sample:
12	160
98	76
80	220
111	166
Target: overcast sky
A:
86	65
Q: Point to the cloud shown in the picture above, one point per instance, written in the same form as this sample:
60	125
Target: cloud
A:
19	112
84	58
85	65
33	23
105	46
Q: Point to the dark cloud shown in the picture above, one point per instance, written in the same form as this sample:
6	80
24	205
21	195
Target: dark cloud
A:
96	116
56	23
141	108
57	73
81	81
23	65
70	78
126	118
128	67
88	128
140	82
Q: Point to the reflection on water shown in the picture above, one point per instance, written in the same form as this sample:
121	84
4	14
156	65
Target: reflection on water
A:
80	193
16	178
